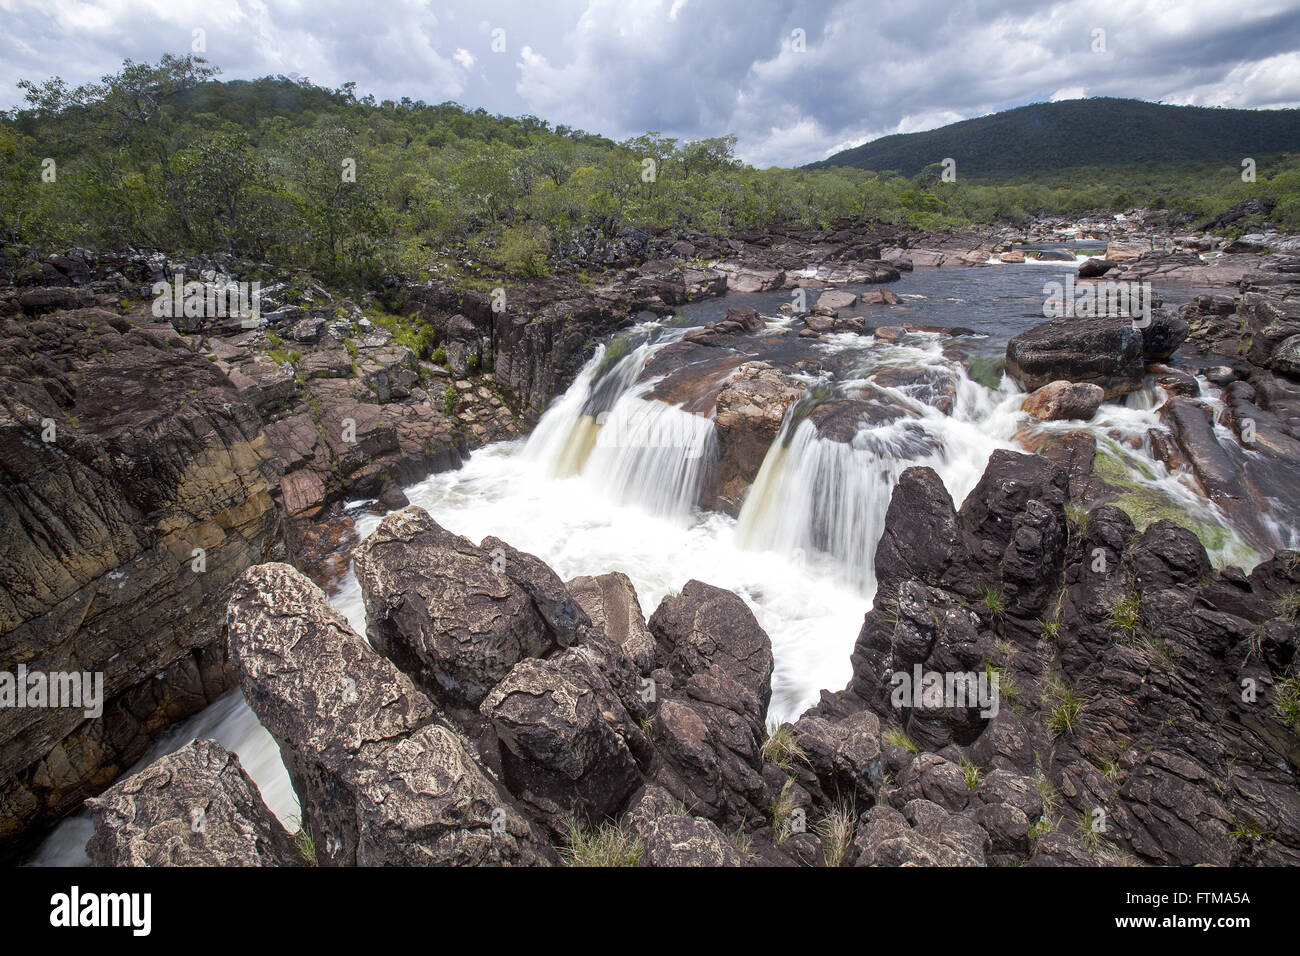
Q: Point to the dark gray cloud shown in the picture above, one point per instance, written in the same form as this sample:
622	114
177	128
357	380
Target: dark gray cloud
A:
794	81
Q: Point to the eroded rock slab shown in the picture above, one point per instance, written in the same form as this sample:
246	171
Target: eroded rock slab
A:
381	779
194	807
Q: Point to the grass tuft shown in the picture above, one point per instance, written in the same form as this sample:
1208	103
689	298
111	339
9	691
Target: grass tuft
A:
896	737
606	845
836	831
781	748
993	602
1066	707
1125	615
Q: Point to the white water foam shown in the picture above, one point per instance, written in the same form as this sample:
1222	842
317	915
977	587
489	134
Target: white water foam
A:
588	507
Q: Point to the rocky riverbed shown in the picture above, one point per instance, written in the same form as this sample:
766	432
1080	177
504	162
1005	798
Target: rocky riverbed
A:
491	707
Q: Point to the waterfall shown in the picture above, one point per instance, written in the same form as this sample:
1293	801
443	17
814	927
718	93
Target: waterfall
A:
633	448
816	494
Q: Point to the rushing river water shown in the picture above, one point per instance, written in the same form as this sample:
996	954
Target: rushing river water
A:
587	499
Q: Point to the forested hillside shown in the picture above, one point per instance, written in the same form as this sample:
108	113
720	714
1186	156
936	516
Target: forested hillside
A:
168	156
1048	138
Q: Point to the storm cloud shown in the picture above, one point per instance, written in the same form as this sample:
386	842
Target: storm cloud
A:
793	81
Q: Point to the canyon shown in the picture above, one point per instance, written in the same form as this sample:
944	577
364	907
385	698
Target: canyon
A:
477	701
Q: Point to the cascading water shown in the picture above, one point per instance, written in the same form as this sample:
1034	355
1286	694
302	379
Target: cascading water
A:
817	494
635	449
610	478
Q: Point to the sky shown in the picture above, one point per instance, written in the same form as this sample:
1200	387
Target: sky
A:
794	82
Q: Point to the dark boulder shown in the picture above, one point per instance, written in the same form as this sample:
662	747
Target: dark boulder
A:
1105	351
1095	267
455	616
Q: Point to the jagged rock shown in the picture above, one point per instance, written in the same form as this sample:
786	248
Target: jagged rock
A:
708	727
1061	849
932	837
880	297
750	408
610	601
454	616
922	539
842	757
745	316
193	807
380	779
1010	481
565	750
704	627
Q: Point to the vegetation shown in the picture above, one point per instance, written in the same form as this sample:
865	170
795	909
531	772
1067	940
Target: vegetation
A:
993	602
1050	820
1007	688
1288	606
305	843
418	336
781	748
605	845
290	174
1053	138
1065	706
836	831
1126	615
895	737
782	813
1287	701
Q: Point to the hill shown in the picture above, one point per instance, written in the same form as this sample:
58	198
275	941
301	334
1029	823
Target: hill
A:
1099	132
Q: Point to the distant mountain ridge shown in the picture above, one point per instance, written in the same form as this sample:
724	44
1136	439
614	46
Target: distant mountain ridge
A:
1103	131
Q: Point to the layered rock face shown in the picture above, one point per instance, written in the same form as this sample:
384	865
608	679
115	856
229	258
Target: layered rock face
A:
1141	714
136	487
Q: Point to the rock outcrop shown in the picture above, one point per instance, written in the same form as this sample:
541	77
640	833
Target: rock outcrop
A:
455	616
382	779
136	487
750	409
1106	352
